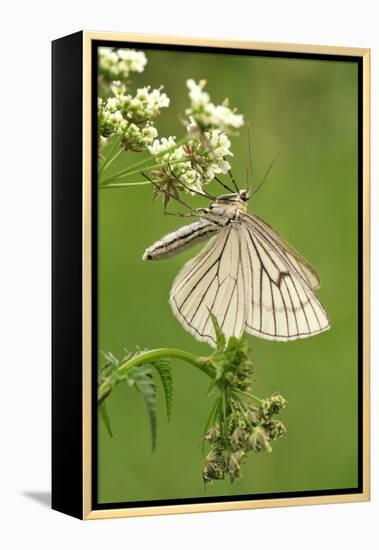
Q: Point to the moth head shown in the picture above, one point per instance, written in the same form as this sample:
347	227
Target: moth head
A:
244	195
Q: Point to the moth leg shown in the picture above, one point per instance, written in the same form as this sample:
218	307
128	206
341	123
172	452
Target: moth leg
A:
182	214
202	193
167	193
203	210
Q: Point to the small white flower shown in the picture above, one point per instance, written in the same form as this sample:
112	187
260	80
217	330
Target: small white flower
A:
162	146
131	118
136	61
150	102
206	115
179	154
143	93
221	167
112	104
135	103
219	144
163	101
193	129
198	97
119	64
223	117
117	116
150	132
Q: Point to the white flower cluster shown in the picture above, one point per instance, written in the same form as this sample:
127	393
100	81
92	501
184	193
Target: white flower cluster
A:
146	103
118	64
162	146
191	166
131	117
206	115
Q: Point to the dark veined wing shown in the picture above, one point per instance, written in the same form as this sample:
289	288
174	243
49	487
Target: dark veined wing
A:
215	279
284	305
251	281
277	241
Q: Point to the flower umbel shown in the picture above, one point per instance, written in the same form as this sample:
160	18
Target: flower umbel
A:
203	113
117	64
131	118
192	165
203	154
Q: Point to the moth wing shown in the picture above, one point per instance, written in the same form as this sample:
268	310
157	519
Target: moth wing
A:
250	281
299	263
283	305
215	279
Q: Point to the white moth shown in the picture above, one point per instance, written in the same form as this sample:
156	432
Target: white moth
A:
247	275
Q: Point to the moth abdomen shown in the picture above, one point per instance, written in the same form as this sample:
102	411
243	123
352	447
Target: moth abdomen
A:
181	239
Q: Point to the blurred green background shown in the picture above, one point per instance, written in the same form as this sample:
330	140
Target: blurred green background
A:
307	111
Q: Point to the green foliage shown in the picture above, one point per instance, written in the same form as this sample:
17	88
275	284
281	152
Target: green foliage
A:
164	371
231	360
220	337
240	429
140	376
105	417
239	422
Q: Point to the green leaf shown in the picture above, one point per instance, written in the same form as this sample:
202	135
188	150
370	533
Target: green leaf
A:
110	358
164	371
105	418
220	363
220	336
143	379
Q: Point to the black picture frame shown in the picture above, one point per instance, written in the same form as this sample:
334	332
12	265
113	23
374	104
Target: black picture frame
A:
74	154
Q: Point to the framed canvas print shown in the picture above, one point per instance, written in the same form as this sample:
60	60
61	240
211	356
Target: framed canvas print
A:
210	275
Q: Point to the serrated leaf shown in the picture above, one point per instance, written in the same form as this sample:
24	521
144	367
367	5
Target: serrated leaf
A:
105	418
110	358
165	374
144	382
220	336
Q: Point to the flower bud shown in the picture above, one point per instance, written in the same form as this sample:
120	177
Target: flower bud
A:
259	440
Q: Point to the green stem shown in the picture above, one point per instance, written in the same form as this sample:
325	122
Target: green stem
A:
224	417
125	173
152	158
115	157
111	157
148	356
145	160
124	184
212	414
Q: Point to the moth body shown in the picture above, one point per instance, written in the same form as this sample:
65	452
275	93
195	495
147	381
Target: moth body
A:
247	275
181	239
220	213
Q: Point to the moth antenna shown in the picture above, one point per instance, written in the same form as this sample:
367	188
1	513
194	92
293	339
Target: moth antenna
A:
201	194
250	154
233	181
266	175
245	168
167	193
223	184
